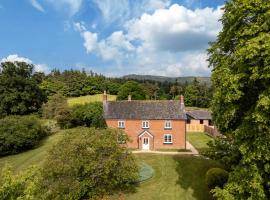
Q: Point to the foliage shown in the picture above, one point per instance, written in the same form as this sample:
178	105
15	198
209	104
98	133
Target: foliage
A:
55	105
19	90
21	186
88	163
19	133
216	177
132	88
89	115
241	66
74	83
197	95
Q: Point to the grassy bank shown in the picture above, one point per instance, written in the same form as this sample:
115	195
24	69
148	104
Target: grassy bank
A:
32	157
89	98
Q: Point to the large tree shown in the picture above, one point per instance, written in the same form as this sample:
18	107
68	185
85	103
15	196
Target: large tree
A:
19	89
241	104
132	88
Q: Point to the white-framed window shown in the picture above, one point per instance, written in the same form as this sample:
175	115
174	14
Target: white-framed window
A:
145	124
121	124
168	124
167	138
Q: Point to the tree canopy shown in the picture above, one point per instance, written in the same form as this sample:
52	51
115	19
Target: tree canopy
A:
132	88
19	89
241	102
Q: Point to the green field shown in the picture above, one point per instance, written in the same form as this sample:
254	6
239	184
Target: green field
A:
176	177
89	98
199	140
32	157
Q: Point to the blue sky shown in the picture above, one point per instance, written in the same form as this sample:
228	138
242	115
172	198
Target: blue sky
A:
113	37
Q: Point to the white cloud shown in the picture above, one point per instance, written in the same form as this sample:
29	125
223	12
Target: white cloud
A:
37	5
113	10
177	28
72	6
157	4
90	40
15	57
37	67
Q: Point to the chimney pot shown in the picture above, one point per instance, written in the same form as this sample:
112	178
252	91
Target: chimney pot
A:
182	102
105	96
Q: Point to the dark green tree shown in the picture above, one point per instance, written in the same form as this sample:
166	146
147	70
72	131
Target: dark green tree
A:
241	104
19	89
132	88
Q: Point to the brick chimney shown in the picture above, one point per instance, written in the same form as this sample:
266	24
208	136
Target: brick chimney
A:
182	102
129	97
105	98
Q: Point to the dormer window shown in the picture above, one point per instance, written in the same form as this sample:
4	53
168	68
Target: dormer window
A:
168	124
145	124
121	124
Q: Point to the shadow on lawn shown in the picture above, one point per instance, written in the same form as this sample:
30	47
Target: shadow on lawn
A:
191	175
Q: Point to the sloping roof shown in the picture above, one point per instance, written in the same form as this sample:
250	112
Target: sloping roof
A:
199	114
143	110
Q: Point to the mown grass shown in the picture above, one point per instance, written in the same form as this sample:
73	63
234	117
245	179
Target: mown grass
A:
88	99
32	157
199	140
175	177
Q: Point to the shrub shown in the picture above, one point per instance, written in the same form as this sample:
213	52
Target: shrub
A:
19	186
19	133
55	105
88	163
216	177
89	115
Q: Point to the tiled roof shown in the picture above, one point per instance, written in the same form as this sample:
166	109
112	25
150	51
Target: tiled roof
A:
143	110
199	114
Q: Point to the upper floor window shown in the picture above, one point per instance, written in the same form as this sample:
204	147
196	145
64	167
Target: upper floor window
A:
121	124
145	124
167	138
188	121
168	125
201	121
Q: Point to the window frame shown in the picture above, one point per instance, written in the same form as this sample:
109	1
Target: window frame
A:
201	121
165	123
164	138
120	123
144	122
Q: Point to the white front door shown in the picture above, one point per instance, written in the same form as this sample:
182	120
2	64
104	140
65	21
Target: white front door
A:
145	144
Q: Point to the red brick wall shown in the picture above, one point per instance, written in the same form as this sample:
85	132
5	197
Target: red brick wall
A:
156	127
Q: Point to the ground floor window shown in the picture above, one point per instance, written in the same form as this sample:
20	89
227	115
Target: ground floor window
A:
167	138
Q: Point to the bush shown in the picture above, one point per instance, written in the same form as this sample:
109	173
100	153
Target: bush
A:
55	105
88	163
19	186
20	133
89	115
216	177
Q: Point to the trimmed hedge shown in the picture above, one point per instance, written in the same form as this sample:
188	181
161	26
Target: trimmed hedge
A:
19	133
216	177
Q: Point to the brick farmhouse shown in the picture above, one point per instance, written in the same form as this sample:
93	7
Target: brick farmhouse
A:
151	125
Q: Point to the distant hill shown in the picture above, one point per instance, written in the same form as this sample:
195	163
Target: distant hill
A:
188	79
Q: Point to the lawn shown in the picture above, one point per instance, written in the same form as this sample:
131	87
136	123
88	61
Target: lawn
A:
89	98
36	156
176	177
199	140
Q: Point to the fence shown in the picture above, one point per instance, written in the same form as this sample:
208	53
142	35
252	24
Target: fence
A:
211	130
